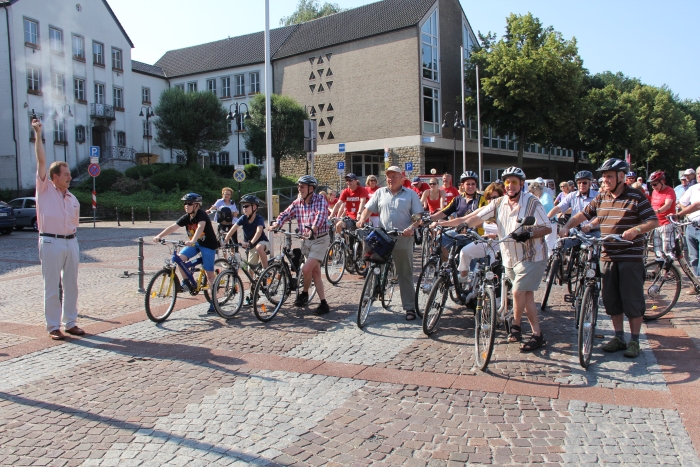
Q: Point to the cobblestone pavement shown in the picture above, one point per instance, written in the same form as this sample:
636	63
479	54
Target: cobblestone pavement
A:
308	390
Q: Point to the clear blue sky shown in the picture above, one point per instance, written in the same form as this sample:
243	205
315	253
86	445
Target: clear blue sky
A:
649	40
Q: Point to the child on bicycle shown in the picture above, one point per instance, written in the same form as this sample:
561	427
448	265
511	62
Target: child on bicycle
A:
202	238
253	225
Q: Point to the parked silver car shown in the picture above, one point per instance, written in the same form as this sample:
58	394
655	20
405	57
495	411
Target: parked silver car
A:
25	212
7	218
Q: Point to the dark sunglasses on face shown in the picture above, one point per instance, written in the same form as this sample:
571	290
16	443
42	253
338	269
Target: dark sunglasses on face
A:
432	184
655	184
246	206
189	204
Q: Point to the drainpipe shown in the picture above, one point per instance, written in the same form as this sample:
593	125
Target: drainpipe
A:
12	93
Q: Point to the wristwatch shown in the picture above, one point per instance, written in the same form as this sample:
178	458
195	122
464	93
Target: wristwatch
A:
639	231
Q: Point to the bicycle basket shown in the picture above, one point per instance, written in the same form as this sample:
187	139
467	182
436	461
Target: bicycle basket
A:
296	258
378	246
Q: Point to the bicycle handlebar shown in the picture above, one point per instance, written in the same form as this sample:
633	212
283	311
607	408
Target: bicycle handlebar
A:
680	224
590	239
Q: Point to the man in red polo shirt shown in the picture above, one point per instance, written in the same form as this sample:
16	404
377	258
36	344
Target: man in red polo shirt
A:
450	191
352	199
663	201
419	186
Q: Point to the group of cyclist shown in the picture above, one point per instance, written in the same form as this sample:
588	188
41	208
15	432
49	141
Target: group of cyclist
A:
617	209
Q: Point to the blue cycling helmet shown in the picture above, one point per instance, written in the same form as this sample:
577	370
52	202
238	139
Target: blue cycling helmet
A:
583	175
192	198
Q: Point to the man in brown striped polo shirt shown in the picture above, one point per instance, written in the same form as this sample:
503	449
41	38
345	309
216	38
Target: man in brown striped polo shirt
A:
624	211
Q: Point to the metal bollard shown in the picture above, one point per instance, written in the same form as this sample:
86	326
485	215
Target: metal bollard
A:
141	272
132	215
149	214
117	211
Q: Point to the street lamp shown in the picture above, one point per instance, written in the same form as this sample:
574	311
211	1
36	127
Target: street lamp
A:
65	108
311	114
236	115
457	125
149	114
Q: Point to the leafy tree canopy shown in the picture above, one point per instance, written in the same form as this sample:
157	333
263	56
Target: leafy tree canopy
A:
190	122
308	10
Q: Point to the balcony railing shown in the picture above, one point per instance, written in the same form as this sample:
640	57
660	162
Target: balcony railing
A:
120	153
102	111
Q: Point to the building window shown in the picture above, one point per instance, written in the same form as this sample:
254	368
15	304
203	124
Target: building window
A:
79	134
117	59
118	98
226	87
211	86
431	110
244	157
78	47
499	173
192	86
146	129
180	86
31	32
79	89
58	84
145	95
121	138
486	177
255	83
229	126
33	81
224	158
59	130
99	93
365	164
240	85
98	54
56	40
429	40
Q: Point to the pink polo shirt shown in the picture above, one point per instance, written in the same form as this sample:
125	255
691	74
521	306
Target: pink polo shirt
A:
56	214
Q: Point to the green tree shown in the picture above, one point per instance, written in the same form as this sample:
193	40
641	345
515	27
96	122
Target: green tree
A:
530	80
287	128
308	10
190	122
692	108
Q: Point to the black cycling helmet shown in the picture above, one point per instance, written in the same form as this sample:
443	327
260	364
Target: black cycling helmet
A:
469	175
584	174
252	199
192	198
513	172
308	180
617	165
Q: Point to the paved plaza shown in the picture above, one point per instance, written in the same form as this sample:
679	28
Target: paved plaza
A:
308	390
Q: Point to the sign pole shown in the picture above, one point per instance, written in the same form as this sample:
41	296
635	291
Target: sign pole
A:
94	203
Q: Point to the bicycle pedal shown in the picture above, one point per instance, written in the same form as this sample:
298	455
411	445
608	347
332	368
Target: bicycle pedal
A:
569	298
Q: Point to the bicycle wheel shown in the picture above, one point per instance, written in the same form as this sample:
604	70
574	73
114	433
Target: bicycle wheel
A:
227	292
586	327
425	246
554	270
426	279
219	265
390	280
485	328
334	263
662	288
300	284
368	298
360	264
436	305
161	294
271	290
574	274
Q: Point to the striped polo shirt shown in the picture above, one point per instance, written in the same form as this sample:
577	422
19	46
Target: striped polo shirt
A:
616	215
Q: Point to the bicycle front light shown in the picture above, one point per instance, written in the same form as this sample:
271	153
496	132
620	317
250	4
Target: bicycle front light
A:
489	275
376	270
590	274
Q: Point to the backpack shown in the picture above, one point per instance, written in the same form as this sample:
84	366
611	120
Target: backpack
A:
225	214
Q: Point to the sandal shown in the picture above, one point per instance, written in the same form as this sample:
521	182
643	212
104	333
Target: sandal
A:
516	334
535	342
410	315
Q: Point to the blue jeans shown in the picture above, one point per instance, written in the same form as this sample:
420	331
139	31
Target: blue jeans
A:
692	238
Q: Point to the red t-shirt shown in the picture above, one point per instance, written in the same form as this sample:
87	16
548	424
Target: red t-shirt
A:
406	183
657	200
450	193
352	200
370	192
420	188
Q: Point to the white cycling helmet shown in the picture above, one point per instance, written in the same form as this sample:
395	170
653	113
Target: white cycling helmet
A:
513	172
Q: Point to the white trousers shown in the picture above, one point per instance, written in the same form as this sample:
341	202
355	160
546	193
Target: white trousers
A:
471	252
59	263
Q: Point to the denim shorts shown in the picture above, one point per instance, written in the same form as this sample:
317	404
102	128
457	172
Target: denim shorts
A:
208	255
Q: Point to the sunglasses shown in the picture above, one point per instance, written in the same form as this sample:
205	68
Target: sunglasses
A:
563	186
432	184
655	184
245	206
189	204
371	180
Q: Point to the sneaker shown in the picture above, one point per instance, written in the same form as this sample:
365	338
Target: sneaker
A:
463	279
322	309
614	344
632	350
302	299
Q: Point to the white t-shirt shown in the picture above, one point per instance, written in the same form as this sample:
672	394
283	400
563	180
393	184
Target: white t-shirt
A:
691	195
220	204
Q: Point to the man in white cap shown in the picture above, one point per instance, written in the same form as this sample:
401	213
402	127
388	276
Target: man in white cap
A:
680	189
395	205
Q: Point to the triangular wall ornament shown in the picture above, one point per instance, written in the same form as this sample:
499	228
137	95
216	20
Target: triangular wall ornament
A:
330	135
313	76
320	73
320	60
313	110
330	107
320	88
329	84
321	106
312	87
312	60
330	120
328	56
329	72
321	123
322	134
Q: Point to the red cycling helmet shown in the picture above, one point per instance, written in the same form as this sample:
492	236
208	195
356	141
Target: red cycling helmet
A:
657	176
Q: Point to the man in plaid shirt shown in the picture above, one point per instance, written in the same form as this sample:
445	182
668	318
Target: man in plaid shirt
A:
310	210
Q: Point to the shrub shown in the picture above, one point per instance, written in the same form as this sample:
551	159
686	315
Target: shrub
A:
103	182
128	186
253	171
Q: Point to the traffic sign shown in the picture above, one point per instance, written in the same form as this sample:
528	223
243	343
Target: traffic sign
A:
341	165
239	175
240	167
94	170
94	151
341	147
94	160
409	167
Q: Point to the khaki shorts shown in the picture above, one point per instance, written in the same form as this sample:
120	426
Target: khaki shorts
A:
526	276
253	256
315	248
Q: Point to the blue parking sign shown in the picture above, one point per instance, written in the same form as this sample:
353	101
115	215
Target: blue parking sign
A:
341	165
409	166
94	151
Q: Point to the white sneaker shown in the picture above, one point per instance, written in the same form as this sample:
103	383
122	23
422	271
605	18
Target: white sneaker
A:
463	279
